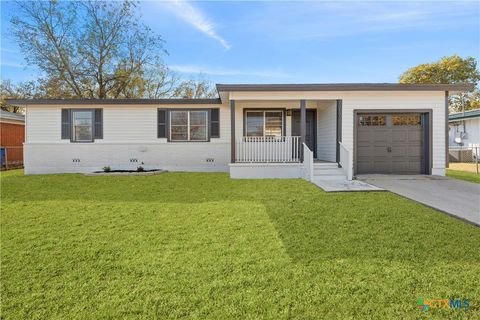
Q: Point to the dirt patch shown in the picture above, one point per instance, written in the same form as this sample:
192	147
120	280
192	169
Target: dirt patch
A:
462	166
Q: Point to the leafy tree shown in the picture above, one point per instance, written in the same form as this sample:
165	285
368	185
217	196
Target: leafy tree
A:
23	90
453	69
195	88
91	49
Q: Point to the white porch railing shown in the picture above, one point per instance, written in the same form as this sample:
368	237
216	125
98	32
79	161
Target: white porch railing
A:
346	161
307	163
268	149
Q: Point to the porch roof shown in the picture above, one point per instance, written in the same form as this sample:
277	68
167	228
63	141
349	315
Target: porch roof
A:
346	87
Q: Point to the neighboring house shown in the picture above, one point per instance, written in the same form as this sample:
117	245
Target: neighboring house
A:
464	128
251	131
12	133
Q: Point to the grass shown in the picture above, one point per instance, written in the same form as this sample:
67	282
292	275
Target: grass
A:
464	175
202	246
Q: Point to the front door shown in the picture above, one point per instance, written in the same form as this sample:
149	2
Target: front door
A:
311	134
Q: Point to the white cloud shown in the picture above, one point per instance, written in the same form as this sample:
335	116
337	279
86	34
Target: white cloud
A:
12	64
197	19
6	50
228	72
348	18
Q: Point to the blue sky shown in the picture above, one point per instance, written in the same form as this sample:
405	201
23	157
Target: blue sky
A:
296	42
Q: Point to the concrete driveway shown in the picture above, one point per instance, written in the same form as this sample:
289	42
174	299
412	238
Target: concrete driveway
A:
455	197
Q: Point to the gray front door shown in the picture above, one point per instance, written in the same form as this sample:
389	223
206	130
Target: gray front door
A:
390	143
310	135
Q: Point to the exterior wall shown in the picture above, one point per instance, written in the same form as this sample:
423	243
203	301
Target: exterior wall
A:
326	121
12	138
266	171
59	157
472	128
129	132
357	100
240	107
327	130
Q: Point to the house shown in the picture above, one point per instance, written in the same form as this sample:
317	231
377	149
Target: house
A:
250	131
464	128
12	133
464	136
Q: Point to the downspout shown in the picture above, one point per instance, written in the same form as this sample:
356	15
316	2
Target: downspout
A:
446	131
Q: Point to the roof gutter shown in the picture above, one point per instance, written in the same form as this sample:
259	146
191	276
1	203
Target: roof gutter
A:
347	87
25	102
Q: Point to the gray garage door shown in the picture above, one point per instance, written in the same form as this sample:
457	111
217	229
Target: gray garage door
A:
390	143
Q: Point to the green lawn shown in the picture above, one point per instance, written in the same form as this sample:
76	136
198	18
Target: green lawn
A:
202	246
464	175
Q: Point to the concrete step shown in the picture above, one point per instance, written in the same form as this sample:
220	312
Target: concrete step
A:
330	178
328	171
325	165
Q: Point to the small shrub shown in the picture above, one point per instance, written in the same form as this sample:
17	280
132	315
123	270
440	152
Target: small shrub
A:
106	169
140	169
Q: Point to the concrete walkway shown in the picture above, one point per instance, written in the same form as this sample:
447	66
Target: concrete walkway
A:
455	197
343	185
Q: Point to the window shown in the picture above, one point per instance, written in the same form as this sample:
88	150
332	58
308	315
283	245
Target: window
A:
82	125
407	120
264	123
189	125
372	120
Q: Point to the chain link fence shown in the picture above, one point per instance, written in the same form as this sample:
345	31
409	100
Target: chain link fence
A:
465	158
11	157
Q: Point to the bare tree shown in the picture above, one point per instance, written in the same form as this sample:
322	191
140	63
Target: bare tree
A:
91	49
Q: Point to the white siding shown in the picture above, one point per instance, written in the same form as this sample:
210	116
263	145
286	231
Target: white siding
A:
399	100
327	130
130	124
472	128
123	123
43	124
129	132
240	107
433	100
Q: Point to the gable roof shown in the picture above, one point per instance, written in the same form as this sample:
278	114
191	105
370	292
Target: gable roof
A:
464	115
5	115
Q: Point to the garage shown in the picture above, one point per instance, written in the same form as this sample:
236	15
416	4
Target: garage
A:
392	143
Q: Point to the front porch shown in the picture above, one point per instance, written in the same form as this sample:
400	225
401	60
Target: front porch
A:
286	139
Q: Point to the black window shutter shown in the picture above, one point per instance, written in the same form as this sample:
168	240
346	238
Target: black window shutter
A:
162	123
98	123
215	123
66	123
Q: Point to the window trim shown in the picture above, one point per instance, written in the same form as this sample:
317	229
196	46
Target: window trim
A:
72	137
418	122
169	124
282	110
372	124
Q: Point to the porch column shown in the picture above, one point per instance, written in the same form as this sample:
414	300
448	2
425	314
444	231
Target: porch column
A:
232	130
447	153
339	129
303	125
